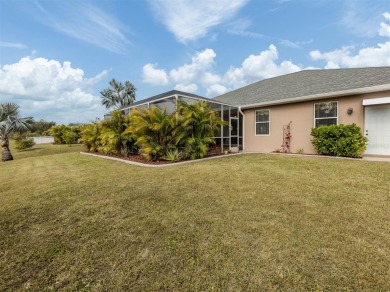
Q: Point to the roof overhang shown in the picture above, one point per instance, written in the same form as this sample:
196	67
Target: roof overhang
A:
348	92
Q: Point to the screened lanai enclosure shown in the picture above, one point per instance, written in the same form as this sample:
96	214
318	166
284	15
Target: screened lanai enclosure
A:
229	138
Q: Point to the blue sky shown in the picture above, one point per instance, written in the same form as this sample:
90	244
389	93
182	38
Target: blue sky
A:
56	56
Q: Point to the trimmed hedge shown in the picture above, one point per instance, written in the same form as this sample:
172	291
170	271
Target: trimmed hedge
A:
339	140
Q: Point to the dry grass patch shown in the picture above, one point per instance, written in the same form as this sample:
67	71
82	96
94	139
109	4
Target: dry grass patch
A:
250	222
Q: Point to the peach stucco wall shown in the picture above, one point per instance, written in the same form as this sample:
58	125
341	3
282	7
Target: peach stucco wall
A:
302	117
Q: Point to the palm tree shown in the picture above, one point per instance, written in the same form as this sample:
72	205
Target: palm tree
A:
10	122
118	94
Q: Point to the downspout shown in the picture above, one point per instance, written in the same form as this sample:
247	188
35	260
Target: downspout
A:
243	128
176	101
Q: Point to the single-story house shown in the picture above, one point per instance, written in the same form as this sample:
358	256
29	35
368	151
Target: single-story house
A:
277	114
292	104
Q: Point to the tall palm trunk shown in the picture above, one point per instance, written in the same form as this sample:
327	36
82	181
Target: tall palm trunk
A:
6	152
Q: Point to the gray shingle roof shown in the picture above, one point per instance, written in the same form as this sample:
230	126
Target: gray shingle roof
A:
306	83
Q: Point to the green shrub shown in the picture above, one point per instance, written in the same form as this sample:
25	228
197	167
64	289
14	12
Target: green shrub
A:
109	136
196	125
64	134
90	136
24	143
114	139
190	129
154	130
339	140
69	136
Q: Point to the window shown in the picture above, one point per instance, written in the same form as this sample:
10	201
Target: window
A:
325	113
262	122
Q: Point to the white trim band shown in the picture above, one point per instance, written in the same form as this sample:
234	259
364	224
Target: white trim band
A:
374	101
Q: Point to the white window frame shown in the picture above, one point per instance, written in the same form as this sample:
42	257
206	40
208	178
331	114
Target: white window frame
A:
314	112
269	122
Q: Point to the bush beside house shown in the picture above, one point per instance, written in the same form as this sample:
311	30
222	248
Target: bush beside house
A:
339	140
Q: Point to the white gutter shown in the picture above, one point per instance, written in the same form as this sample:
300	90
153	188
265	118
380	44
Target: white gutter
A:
321	95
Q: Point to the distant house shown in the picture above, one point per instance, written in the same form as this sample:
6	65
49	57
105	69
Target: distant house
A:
259	114
312	98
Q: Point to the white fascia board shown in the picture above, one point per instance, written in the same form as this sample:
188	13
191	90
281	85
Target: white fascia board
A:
146	102
182	95
321	96
375	101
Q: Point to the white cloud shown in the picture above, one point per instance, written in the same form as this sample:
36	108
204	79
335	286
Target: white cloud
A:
13	45
201	62
50	90
295	44
190	20
84	21
365	57
215	90
240	27
256	67
198	73
192	88
153	76
384	29
185	76
209	78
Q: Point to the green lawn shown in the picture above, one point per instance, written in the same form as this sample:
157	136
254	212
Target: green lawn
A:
245	223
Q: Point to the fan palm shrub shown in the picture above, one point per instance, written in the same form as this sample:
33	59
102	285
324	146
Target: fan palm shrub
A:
11	122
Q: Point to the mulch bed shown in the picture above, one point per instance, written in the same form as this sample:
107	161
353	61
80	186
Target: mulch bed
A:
141	159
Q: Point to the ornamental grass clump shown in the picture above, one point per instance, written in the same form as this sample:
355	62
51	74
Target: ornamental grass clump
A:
339	140
173	155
